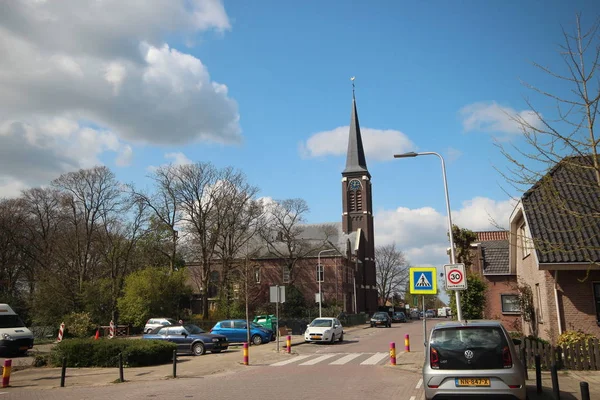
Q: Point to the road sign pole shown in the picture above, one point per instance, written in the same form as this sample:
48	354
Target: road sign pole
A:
424	324
277	313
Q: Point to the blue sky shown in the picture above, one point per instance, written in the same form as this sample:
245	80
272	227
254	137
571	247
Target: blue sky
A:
264	86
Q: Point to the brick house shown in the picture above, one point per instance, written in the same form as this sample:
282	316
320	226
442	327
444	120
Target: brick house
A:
490	260
348	266
555	249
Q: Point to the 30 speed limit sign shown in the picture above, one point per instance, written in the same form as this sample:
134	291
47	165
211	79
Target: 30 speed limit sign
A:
455	276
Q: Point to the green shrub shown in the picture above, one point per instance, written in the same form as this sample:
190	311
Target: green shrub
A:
568	338
78	324
105	352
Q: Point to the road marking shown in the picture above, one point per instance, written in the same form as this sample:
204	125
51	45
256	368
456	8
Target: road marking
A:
291	360
346	359
412	398
374	359
319	359
419	383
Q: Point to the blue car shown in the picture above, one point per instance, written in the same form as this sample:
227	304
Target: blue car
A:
236	331
189	338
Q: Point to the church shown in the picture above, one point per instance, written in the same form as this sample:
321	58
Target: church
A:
346	277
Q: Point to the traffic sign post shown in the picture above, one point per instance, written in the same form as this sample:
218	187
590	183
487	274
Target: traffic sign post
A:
423	281
455	276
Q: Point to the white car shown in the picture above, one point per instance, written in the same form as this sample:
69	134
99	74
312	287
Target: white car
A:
154	323
324	330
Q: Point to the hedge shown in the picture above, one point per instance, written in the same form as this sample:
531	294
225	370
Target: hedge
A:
105	352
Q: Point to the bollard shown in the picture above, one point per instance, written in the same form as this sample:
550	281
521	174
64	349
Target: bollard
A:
246	358
555	387
174	363
392	353
538	374
6	372
63	372
121	368
524	358
407	343
288	343
585	390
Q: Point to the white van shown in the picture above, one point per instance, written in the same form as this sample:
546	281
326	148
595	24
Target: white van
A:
14	336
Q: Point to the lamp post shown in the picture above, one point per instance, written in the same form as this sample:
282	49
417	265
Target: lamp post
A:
452	253
319	276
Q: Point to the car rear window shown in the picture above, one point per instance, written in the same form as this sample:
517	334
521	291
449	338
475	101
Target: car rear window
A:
469	347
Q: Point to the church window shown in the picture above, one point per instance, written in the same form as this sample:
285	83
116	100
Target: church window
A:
352	201
358	200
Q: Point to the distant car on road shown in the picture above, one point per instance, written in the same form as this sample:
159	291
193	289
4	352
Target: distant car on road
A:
398	316
324	329
429	314
381	319
189	338
472	359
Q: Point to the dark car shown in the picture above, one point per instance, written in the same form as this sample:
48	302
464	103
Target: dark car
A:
398	316
381	319
190	338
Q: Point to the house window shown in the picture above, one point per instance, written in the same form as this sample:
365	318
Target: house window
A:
286	274
597	300
510	303
538	293
320	273
257	274
525	241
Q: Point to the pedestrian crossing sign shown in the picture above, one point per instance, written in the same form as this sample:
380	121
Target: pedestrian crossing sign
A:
423	280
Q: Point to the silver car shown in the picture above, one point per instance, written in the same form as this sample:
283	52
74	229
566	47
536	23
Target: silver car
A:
470	359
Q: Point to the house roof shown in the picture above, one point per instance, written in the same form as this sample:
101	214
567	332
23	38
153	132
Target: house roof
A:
563	213
491	235
495	257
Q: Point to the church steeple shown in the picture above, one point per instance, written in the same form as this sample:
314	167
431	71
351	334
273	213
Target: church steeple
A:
355	158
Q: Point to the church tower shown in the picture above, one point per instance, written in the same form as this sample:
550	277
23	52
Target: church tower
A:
357	215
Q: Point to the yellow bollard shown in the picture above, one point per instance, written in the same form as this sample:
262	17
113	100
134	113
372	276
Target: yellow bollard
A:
406	343
6	372
392	353
246	354
288	344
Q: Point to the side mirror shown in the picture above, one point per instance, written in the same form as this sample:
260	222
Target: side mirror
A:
516	341
335	326
184	334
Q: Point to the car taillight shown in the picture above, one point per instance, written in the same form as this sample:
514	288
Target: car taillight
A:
506	357
434	358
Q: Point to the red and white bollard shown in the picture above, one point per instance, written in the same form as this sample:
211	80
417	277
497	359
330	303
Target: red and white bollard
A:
61	332
111	330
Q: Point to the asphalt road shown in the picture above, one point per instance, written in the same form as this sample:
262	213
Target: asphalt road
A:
358	368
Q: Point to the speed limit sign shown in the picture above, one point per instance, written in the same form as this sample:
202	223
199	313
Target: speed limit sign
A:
455	276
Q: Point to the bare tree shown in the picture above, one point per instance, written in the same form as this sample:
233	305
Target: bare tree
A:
165	208
564	136
392	271
283	232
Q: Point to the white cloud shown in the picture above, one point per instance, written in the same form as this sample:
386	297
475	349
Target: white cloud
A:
178	158
422	233
379	144
85	76
494	118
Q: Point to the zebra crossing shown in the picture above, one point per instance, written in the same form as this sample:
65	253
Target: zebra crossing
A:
336	359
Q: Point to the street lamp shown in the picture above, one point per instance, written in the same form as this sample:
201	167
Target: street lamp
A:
452	254
319	275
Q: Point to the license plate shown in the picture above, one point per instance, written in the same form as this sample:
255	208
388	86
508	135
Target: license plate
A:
472	382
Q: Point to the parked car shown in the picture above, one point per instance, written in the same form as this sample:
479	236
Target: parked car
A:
15	337
324	330
154	323
236	331
414	314
189	338
381	319
429	314
470	359
398	316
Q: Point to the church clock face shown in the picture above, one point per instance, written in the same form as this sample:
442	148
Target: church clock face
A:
354	185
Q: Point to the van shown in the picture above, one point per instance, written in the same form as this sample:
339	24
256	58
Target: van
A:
14	336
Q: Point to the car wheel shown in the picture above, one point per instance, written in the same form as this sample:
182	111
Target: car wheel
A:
198	349
332	341
341	339
148	330
372	325
256	339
